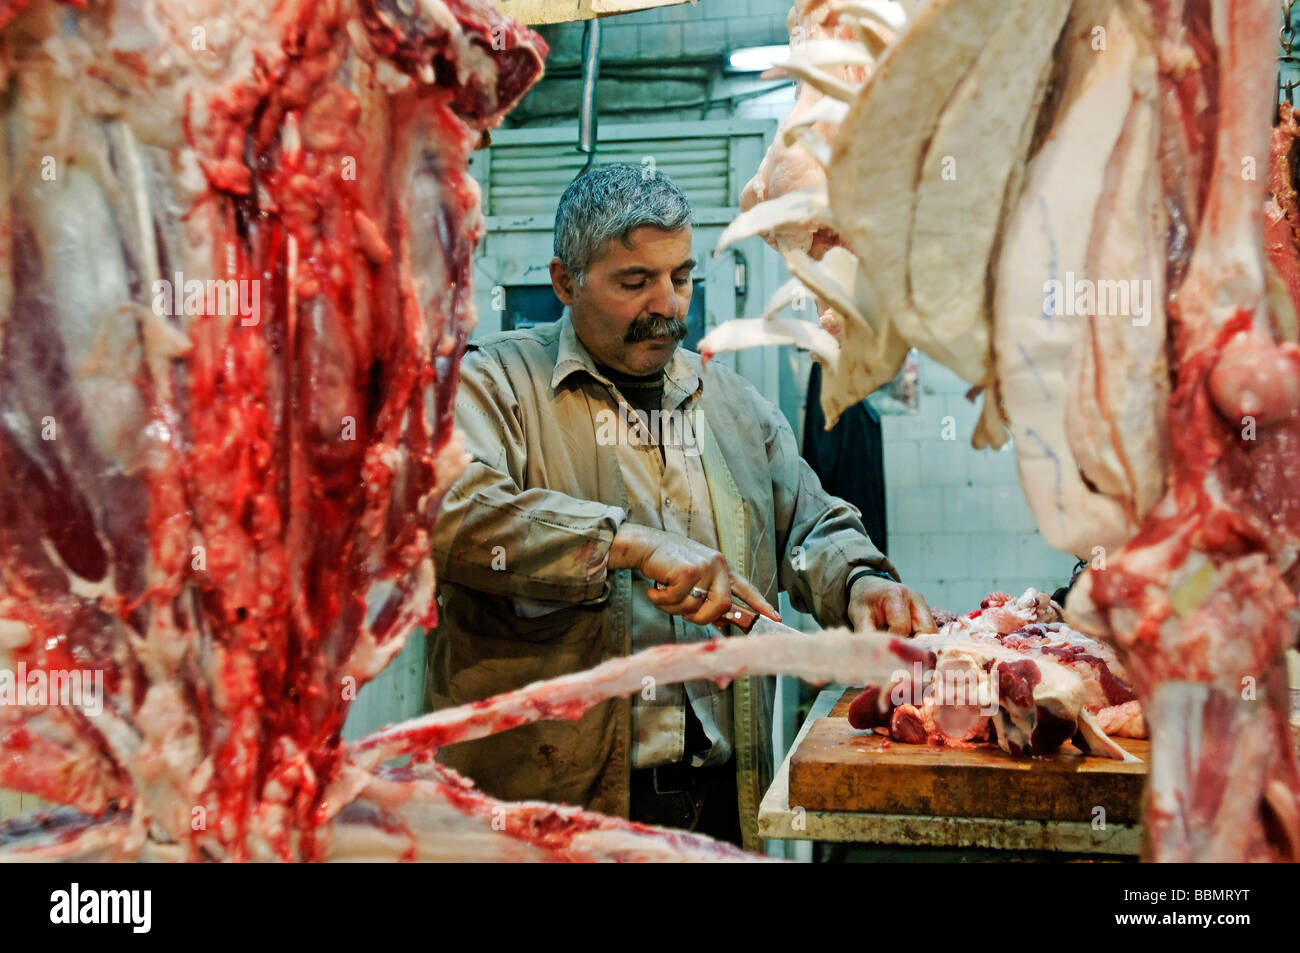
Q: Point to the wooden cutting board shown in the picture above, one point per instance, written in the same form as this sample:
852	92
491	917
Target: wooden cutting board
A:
838	768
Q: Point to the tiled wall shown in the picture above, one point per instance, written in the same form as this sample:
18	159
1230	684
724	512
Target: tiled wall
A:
695	29
959	525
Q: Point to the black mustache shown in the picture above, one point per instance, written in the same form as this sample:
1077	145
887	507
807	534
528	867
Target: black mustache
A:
643	329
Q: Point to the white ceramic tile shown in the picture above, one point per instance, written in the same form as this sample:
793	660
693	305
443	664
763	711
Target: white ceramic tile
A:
995	556
967	509
936	593
1012	509
960	595
992	468
1034	557
943	463
915	509
903	426
947	555
905	553
902	463
965	414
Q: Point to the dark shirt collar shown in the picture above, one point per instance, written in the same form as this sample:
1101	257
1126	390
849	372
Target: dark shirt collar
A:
572	357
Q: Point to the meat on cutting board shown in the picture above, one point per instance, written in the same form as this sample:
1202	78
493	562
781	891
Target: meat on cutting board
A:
1011	673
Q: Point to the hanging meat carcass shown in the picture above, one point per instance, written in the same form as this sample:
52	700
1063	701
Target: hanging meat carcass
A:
833	48
1068	214
1199	602
235	247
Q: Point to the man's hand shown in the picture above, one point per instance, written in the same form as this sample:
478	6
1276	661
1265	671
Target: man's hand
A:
682	564
876	603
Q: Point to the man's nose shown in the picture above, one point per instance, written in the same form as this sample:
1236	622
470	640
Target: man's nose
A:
664	300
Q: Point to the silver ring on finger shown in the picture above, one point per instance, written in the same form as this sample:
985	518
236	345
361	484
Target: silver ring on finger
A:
698	593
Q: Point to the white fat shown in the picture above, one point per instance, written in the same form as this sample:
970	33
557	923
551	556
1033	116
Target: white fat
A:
811	141
1034	351
886	12
450	462
87	275
76	584
821	80
838	281
745	333
792	292
142	239
14	634
392	79
825	110
835	655
822	53
801	207
1098	743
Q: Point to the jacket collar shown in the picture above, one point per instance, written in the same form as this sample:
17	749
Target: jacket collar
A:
572	357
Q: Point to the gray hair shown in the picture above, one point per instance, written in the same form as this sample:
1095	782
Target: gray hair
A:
610	202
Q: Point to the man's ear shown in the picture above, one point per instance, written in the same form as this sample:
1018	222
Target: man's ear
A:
562	282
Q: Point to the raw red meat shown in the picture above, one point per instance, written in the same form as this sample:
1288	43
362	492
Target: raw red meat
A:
225	510
1009	672
427	812
1282	213
1198	603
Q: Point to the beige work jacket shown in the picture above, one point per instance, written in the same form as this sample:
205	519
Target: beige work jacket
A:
532	519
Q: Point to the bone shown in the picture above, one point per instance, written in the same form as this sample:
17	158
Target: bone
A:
838	655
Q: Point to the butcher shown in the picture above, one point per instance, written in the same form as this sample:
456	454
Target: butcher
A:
618	496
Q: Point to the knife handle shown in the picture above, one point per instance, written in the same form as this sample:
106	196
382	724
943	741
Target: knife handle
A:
741	616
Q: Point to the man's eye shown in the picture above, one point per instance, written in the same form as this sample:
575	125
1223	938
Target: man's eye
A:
684	280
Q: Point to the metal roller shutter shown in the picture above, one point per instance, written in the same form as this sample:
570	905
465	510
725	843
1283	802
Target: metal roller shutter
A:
524	172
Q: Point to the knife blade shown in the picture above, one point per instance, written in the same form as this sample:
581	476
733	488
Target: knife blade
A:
747	620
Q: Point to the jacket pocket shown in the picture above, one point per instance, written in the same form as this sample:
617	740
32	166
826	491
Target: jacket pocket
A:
492	617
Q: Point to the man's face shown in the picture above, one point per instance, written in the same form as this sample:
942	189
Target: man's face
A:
630	311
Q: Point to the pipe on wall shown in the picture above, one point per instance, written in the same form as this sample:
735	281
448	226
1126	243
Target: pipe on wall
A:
587	112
